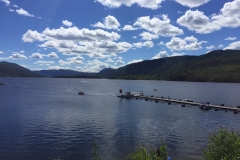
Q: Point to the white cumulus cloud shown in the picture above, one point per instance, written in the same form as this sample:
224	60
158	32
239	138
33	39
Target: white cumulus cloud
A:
72	41
230	38
7	2
234	45
161	54
67	23
119	62
158	26
110	22
37	55
95	66
64	63
148	36
99	55
42	63
84	34
220	46
148	44
128	28
210	47
17	56
197	21
135	61
24	12
176	54
31	36
57	67
192	3
152	4
109	60
72	60
188	43
52	55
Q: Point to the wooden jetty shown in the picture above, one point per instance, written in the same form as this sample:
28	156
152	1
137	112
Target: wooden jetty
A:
186	102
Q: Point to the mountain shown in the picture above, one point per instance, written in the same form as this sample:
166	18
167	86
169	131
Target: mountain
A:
106	72
60	72
215	66
14	70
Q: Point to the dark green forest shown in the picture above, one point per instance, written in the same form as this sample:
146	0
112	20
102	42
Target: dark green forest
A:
216	66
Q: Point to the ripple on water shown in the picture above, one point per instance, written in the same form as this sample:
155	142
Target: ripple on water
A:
47	119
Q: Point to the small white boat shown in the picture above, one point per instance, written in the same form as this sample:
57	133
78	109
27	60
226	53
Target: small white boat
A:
188	100
141	93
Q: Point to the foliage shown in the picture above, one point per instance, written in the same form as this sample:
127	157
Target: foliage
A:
95	151
143	154
223	145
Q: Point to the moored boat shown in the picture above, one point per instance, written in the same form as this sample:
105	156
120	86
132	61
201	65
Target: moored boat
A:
188	100
126	95
2	83
81	93
205	107
141	93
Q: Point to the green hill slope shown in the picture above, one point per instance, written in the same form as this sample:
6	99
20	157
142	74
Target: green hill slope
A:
60	72
14	70
216	66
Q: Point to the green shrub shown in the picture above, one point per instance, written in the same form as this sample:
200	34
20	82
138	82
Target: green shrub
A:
95	151
143	154
223	145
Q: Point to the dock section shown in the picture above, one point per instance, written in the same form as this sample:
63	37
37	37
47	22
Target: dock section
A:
202	106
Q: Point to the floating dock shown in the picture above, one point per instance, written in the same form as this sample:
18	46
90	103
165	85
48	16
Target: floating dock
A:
187	102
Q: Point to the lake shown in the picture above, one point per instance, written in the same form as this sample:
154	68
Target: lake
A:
45	118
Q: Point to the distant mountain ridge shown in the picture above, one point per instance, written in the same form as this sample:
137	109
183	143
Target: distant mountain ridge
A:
215	66
60	72
14	70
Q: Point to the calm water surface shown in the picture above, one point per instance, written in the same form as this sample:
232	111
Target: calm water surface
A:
45	119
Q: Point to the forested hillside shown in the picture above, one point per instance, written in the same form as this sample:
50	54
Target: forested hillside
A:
216	66
14	70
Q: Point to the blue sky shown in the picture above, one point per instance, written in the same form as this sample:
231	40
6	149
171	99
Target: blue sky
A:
90	35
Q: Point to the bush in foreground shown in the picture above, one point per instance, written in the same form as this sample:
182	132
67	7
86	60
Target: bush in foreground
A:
223	145
143	154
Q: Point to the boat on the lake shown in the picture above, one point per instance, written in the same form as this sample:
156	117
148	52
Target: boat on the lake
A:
81	93
2	83
188	100
126	95
205	107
